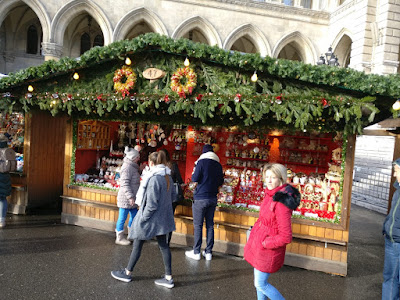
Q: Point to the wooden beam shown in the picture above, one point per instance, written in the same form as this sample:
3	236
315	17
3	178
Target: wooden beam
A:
396	154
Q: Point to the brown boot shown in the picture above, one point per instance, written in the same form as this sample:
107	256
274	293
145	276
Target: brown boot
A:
120	239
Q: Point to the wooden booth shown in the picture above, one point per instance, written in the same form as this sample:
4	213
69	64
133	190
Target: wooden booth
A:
180	95
38	139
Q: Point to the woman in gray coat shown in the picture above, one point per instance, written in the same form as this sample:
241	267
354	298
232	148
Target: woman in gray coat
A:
129	185
154	219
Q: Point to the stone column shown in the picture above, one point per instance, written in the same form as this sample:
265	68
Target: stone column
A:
387	38
51	51
361	47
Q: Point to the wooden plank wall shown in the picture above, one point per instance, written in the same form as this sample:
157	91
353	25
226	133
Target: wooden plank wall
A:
101	205
44	156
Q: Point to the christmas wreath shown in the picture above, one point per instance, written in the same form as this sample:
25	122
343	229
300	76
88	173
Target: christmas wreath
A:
124	80
183	81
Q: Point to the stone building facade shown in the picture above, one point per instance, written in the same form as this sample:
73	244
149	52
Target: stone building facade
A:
364	34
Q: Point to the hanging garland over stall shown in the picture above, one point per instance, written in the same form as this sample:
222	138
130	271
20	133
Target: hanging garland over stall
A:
215	89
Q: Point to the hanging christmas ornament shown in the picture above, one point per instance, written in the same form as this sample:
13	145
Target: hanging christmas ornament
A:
324	103
278	100
238	98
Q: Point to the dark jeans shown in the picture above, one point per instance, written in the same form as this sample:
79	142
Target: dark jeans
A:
203	209
391	269
164	248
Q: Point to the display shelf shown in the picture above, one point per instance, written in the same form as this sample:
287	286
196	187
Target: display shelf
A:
248	168
305	150
302	164
302	137
247	158
93	135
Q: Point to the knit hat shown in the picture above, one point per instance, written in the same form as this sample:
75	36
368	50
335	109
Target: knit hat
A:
208	148
131	153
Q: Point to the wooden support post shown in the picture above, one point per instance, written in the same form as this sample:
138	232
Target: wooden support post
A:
396	154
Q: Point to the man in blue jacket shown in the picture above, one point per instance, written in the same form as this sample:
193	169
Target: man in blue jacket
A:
209	177
391	230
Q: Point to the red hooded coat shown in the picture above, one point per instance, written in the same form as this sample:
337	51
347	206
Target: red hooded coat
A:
265	249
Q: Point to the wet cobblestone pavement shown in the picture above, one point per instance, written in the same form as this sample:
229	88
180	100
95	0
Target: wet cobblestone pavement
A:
43	259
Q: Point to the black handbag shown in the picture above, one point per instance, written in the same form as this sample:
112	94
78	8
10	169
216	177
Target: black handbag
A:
178	193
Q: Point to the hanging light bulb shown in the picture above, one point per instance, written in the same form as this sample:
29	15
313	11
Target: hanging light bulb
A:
30	88
128	61
396	105
187	62
254	77
75	76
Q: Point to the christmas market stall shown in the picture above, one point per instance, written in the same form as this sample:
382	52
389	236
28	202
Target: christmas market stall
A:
158	93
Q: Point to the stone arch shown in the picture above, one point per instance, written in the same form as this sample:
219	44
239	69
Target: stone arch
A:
203	26
134	17
20	37
38	9
302	44
341	46
71	10
251	32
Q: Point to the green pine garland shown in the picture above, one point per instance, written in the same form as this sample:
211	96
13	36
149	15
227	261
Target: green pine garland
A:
288	94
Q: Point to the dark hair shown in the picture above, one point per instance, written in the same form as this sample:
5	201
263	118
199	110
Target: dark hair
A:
158	158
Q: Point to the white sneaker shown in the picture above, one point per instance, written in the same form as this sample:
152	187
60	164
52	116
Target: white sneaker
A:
191	255
2	223
207	256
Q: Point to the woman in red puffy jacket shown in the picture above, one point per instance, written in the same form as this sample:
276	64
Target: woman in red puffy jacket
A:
265	249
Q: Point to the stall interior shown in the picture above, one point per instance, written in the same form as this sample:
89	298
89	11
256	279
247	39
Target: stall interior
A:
12	125
314	161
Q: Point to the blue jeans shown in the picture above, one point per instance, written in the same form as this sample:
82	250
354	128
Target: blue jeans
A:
122	215
3	207
264	289
203	209
391	284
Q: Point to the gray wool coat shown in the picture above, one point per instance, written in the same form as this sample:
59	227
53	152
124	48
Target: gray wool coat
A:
129	183
155	216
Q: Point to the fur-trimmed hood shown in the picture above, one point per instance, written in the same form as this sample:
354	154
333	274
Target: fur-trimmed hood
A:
289	196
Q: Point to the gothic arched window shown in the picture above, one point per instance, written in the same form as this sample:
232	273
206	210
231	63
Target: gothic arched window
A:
32	40
98	41
85	43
